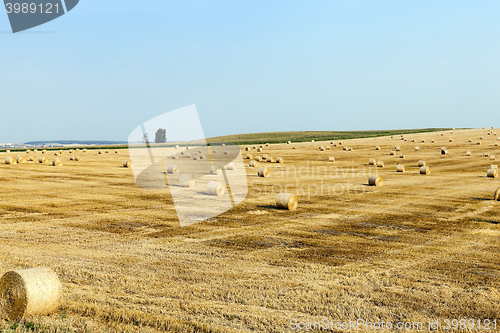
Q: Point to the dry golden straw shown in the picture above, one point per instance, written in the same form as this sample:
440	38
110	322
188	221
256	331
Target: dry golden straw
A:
425	170
216	188
10	160
172	169
492	173
287	201
497	195
400	168
29	292
187	181
57	162
375	180
264	172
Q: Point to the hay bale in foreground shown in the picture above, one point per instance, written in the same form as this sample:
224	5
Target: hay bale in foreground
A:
172	169
10	160
380	164
127	164
375	181
187	181
29	292
496	197
287	201
425	170
216	188
421	163
400	168
57	162
492	173
253	164
21	159
372	161
264	172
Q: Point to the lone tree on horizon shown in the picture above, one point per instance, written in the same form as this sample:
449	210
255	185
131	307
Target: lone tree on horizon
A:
161	136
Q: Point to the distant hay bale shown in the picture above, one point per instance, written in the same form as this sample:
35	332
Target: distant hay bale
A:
71	151
20	159
495	144
254	147
432	141
127	163
267	144
100	151
57	162
392	136
10	160
492	173
175	156
421	163
202	156
226	152
85	150
481	138
468	153
223	145
344	148
375	180
493	166
327	147
117	151
442	134
258	158
29	292
187	181
397	148
231	166
331	159
400	168
425	170
372	161
215	171
413	140
405	139
492	157
377	148
402	155
312	140
259	150
485	154
450	140
392	152
173	169
42	159
350	149
469	140
271	159
188	155
216	188
31	158
61	152
247	148
77	158
423	140
249	156
8	151
444	152
280	160
264	157
264	172
380	164
288	142
287	201
196	157
253	164
321	148
71	158
294	147
417	148
28	151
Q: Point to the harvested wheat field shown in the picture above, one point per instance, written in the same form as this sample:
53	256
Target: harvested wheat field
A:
421	247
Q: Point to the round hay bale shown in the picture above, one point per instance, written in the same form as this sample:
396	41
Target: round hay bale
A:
77	158
188	155
175	156
258	158
372	161
496	197
254	147
117	151
271	159
450	140
397	148
223	145
417	148
350	149
492	157
288	142
71	151
492	173
423	140
481	138
469	140
294	147
61	152
442	134
321	148
31	158
8	151
264	157
187	181
42	159
380	164
127	164
216	188
202	156
264	172
253	164
495	144
231	166
259	150
331	159
21	159
249	156
402	155
10	160
28	151
56	153
196	157
344	148
247	148
468	153
71	158
377	148
30	292
327	147
215	171
100	151
392	152
312	140
425	170
413	140
287	201
57	162
267	144
172	169
432	141
85	150
444	152
280	160
400	168
176	146
226	152
44	151
405	139
375	180
493	166
485	154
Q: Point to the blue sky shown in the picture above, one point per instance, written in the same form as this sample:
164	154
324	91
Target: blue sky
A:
251	66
